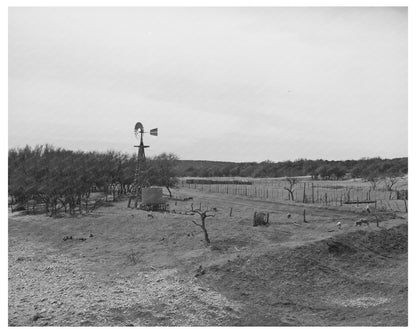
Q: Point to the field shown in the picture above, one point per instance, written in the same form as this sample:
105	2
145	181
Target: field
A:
319	192
126	267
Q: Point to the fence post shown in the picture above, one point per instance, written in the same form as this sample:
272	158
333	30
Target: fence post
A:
313	194
231	211
304	192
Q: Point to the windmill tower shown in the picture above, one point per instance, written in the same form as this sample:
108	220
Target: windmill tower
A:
140	177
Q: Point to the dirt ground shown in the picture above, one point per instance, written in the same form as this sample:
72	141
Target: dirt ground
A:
127	267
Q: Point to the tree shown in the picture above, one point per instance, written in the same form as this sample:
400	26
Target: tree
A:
203	215
337	171
162	171
373	179
389	182
357	171
290	189
324	171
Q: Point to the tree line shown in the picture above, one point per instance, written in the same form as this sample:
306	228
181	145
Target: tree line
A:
319	169
65	179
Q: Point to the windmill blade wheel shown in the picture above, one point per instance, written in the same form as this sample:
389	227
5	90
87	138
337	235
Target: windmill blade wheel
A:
137	127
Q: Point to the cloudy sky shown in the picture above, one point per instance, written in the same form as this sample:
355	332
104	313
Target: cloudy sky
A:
231	84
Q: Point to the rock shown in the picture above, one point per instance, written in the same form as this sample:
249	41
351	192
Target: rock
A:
36	317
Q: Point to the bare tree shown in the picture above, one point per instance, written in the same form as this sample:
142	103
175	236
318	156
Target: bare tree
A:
390	181
203	215
290	189
373	180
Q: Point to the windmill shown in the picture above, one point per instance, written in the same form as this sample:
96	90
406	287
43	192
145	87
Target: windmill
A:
140	180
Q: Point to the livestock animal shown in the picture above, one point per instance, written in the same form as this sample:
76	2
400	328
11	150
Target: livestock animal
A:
361	222
260	219
339	225
288	216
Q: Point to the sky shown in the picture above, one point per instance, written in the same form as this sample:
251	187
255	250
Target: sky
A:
230	83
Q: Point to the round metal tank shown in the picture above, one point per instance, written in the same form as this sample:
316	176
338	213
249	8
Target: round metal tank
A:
152	195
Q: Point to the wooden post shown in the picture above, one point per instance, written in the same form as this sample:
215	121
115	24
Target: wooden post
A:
304	215
231	211
200	205
267	218
313	195
304	193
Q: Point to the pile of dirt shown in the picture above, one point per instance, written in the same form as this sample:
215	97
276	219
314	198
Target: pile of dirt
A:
303	279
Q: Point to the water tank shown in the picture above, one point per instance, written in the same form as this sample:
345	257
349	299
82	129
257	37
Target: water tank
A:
152	195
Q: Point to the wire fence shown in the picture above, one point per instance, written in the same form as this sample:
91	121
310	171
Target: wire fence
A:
325	193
